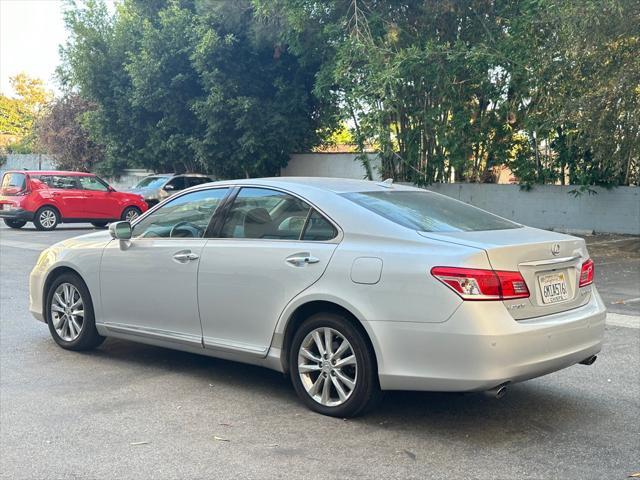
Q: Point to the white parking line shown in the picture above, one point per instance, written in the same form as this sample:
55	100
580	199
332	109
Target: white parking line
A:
618	320
38	247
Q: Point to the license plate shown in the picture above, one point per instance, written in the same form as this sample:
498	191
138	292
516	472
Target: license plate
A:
553	287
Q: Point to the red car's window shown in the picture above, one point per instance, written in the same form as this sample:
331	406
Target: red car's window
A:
13	183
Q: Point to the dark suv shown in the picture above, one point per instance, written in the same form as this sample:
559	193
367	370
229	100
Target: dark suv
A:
156	188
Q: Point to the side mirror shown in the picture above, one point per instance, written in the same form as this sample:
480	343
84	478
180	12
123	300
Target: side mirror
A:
120	230
168	188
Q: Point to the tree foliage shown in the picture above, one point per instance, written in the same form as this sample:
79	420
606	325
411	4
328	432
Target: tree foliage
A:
61	133
190	85
18	114
453	89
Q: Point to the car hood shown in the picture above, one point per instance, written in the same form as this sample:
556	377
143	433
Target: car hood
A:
93	239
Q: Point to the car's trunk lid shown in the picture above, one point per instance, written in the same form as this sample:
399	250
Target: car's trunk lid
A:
549	262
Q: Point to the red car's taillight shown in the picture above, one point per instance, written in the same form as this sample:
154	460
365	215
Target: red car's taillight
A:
586	273
479	284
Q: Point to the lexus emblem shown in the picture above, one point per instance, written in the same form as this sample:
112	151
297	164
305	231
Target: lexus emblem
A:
555	249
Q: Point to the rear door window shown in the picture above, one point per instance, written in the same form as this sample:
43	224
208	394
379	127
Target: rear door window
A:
177	183
429	212
193	181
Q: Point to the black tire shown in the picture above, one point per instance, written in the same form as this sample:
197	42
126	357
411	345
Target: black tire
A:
129	211
39	218
9	222
99	224
89	337
366	392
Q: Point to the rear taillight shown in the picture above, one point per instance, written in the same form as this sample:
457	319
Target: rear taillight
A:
479	284
586	273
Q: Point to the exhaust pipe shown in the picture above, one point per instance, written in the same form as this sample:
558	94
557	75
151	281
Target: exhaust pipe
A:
497	392
589	361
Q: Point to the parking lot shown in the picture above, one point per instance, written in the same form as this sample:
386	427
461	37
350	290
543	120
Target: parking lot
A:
128	410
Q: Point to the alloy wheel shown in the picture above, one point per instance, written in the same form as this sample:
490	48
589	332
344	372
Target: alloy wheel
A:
327	366
67	312
47	218
131	215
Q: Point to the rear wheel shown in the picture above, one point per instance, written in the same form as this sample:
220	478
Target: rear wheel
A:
14	223
47	218
332	367
130	214
99	224
70	314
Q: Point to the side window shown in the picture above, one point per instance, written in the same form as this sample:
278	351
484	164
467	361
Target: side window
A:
185	217
177	183
92	183
64	182
267	214
319	228
193	181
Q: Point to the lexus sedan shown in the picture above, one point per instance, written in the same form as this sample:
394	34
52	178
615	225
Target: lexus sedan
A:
350	287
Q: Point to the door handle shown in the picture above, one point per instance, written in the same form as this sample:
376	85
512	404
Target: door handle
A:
301	259
185	256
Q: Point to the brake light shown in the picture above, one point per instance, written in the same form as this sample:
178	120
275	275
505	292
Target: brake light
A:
480	284
586	273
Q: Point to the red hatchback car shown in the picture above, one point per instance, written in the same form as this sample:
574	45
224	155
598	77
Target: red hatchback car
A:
49	198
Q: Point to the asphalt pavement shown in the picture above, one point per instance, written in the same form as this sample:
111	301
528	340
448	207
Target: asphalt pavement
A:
128	410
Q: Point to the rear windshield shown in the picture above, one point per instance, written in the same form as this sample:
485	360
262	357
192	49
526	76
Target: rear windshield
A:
429	212
13	183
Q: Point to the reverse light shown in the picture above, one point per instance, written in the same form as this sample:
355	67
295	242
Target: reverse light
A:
586	273
480	284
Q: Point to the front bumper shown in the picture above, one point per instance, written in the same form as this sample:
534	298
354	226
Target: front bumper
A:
481	346
17	214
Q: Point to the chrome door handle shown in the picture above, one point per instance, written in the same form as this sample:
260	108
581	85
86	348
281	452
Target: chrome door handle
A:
185	256
301	259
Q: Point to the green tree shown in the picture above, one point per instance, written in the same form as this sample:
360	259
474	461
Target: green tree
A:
18	114
190	85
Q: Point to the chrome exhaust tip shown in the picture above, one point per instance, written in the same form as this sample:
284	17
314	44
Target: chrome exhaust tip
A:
589	361
497	392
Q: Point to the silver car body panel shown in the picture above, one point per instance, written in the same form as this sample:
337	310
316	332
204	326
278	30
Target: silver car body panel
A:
424	336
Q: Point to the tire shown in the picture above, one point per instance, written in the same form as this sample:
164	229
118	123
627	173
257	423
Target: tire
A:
99	224
366	391
131	213
46	218
9	222
70	339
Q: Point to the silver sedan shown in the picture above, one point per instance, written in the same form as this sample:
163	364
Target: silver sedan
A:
350	287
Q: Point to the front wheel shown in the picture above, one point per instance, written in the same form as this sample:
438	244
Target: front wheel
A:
131	213
70	314
9	222
47	218
332	367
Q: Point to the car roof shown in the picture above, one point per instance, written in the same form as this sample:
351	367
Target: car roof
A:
53	172
335	185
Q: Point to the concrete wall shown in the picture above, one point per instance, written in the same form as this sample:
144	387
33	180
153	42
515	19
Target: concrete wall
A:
341	165
17	161
552	207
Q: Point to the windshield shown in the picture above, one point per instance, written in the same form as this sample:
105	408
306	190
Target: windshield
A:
151	182
429	212
13	183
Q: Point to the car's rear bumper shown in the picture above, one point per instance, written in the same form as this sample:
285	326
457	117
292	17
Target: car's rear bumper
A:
481	346
17	214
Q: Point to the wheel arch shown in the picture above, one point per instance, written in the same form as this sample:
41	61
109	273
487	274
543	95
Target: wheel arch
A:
51	276
49	205
305	310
